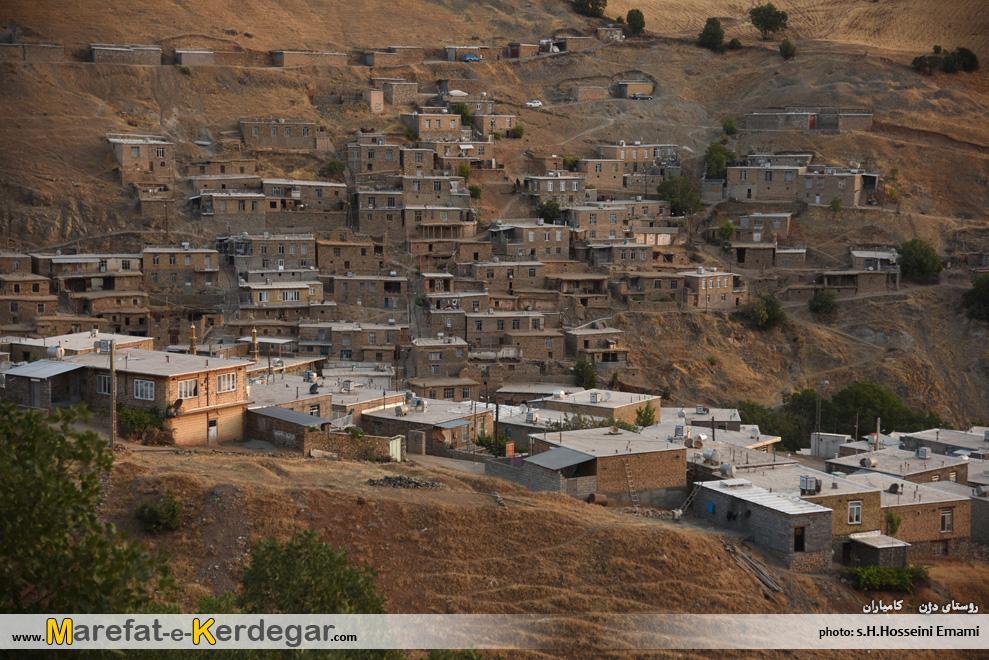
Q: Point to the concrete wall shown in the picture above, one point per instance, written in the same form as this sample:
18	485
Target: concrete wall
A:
771	529
529	475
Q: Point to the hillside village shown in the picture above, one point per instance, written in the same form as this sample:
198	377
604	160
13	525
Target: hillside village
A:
430	288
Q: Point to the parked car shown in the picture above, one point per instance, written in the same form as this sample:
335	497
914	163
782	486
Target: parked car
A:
640	97
534	104
470	57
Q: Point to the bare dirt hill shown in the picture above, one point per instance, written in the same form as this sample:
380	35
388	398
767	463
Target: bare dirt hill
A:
456	550
899	25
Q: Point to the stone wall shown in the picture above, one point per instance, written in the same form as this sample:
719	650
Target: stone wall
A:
400	93
343	445
590	93
921	524
43	53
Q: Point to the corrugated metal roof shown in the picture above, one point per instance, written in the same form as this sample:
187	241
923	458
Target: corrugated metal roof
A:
43	369
291	416
453	424
559	458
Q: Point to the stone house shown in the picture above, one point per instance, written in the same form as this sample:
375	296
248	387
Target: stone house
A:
713	289
395	56
280	133
626	88
296	195
489	124
642	157
433	125
518	50
565	187
143	158
763	256
506	276
444	356
400	92
126	54
184	267
308	58
621	254
609	33
243	208
370	152
601	347
918	466
762	227
448	424
279	294
847	283
875	259
603	173
14	262
530	239
23	297
266	250
387	292
765	177
586	93
348	342
809	118
355	255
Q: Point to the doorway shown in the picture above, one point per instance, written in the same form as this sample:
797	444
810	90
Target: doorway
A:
211	431
798	539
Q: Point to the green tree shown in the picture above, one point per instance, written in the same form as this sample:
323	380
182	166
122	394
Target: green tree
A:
766	313
823	302
729	126
462	109
585	375
304	576
835	205
516	132
683	194
976	299
893	522
735	44
645	415
333	168
570	162
716	160
475	191
768	20
920	262
56	554
549	211
788	50
165	515
464	171
636	22
592	8
726	231
712	36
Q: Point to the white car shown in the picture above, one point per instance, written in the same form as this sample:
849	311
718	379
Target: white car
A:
534	104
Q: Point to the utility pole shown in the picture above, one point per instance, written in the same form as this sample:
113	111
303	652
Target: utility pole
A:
113	394
856	427
876	446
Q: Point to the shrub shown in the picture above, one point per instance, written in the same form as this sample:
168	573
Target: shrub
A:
475	191
411	133
137	420
645	415
712	36
592	8
496	135
165	515
549	210
636	21
766	314
462	109
976	299
726	230
186	71
787	49
729	125
823	302
920	261
464	171
334	168
683	194
735	44
422	300
488	442
516	132
713	361
570	162
883	578
835	205
893	522
585	375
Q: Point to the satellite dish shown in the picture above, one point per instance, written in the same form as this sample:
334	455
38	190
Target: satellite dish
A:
523	407
314	389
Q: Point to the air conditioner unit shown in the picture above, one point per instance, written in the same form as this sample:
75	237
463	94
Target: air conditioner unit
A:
923	452
531	418
594	397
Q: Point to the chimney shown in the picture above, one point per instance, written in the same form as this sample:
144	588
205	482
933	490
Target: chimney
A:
192	339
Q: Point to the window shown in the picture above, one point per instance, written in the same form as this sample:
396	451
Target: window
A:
769	176
145	391
256	131
174	278
312	291
952	476
808	182
947	520
448	393
416	186
226	383
418	157
102	384
135	152
288	131
388	338
788	176
855	513
188	388
500	324
274	131
841	183
673	284
516	324
435	356
742	175
188	280
437	186
223	205
281	248
305	131
592	219
820	182
597	167
291	296
155	259
936	477
532	272
460	352
466	392
336	252
372	338
490	274
613	218
262	296
939	548
478	325
154	277
549	342
434	369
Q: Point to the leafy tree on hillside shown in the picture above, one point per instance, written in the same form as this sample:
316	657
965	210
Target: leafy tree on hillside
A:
585	375
735	44
712	36
549	211
683	194
788	50
768	20
462	109
920	262
333	168
835	205
726	231
464	171
636	21
645	415
976	299
716	160
823	302
766	313
475	191
592	8
57	555
729	126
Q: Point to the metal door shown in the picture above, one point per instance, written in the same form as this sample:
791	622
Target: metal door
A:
211	431
395	449
35	394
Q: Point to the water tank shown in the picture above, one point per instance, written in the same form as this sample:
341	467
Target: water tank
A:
923	452
702	437
56	352
868	462
727	470
712	456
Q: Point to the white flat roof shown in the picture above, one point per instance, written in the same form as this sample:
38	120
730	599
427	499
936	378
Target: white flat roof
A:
743	489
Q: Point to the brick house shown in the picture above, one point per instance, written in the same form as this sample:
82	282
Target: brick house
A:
489	124
262	294
386	292
400	92
565	187
621	254
143	158
296	195
506	276
601	347
354	255
23	297
641	157
602	403
809	118
934	522
27	349
762	227
875	259
126	54
370	152
448	425
433	125
347	341
518	50
266	250
530	239
603	173
444	356
918	466
845	283
308	58
204	398
766	177
609	33
243	208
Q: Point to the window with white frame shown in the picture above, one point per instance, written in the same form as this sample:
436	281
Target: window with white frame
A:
188	388
102	384
226	383
947	520
855	513
291	296
144	390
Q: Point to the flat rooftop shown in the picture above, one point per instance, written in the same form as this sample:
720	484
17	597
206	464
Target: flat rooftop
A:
437	412
894	461
282	388
947	438
607	398
80	341
538	388
907	494
742	458
363	395
747	438
690	412
745	490
785	479
157	363
601	442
